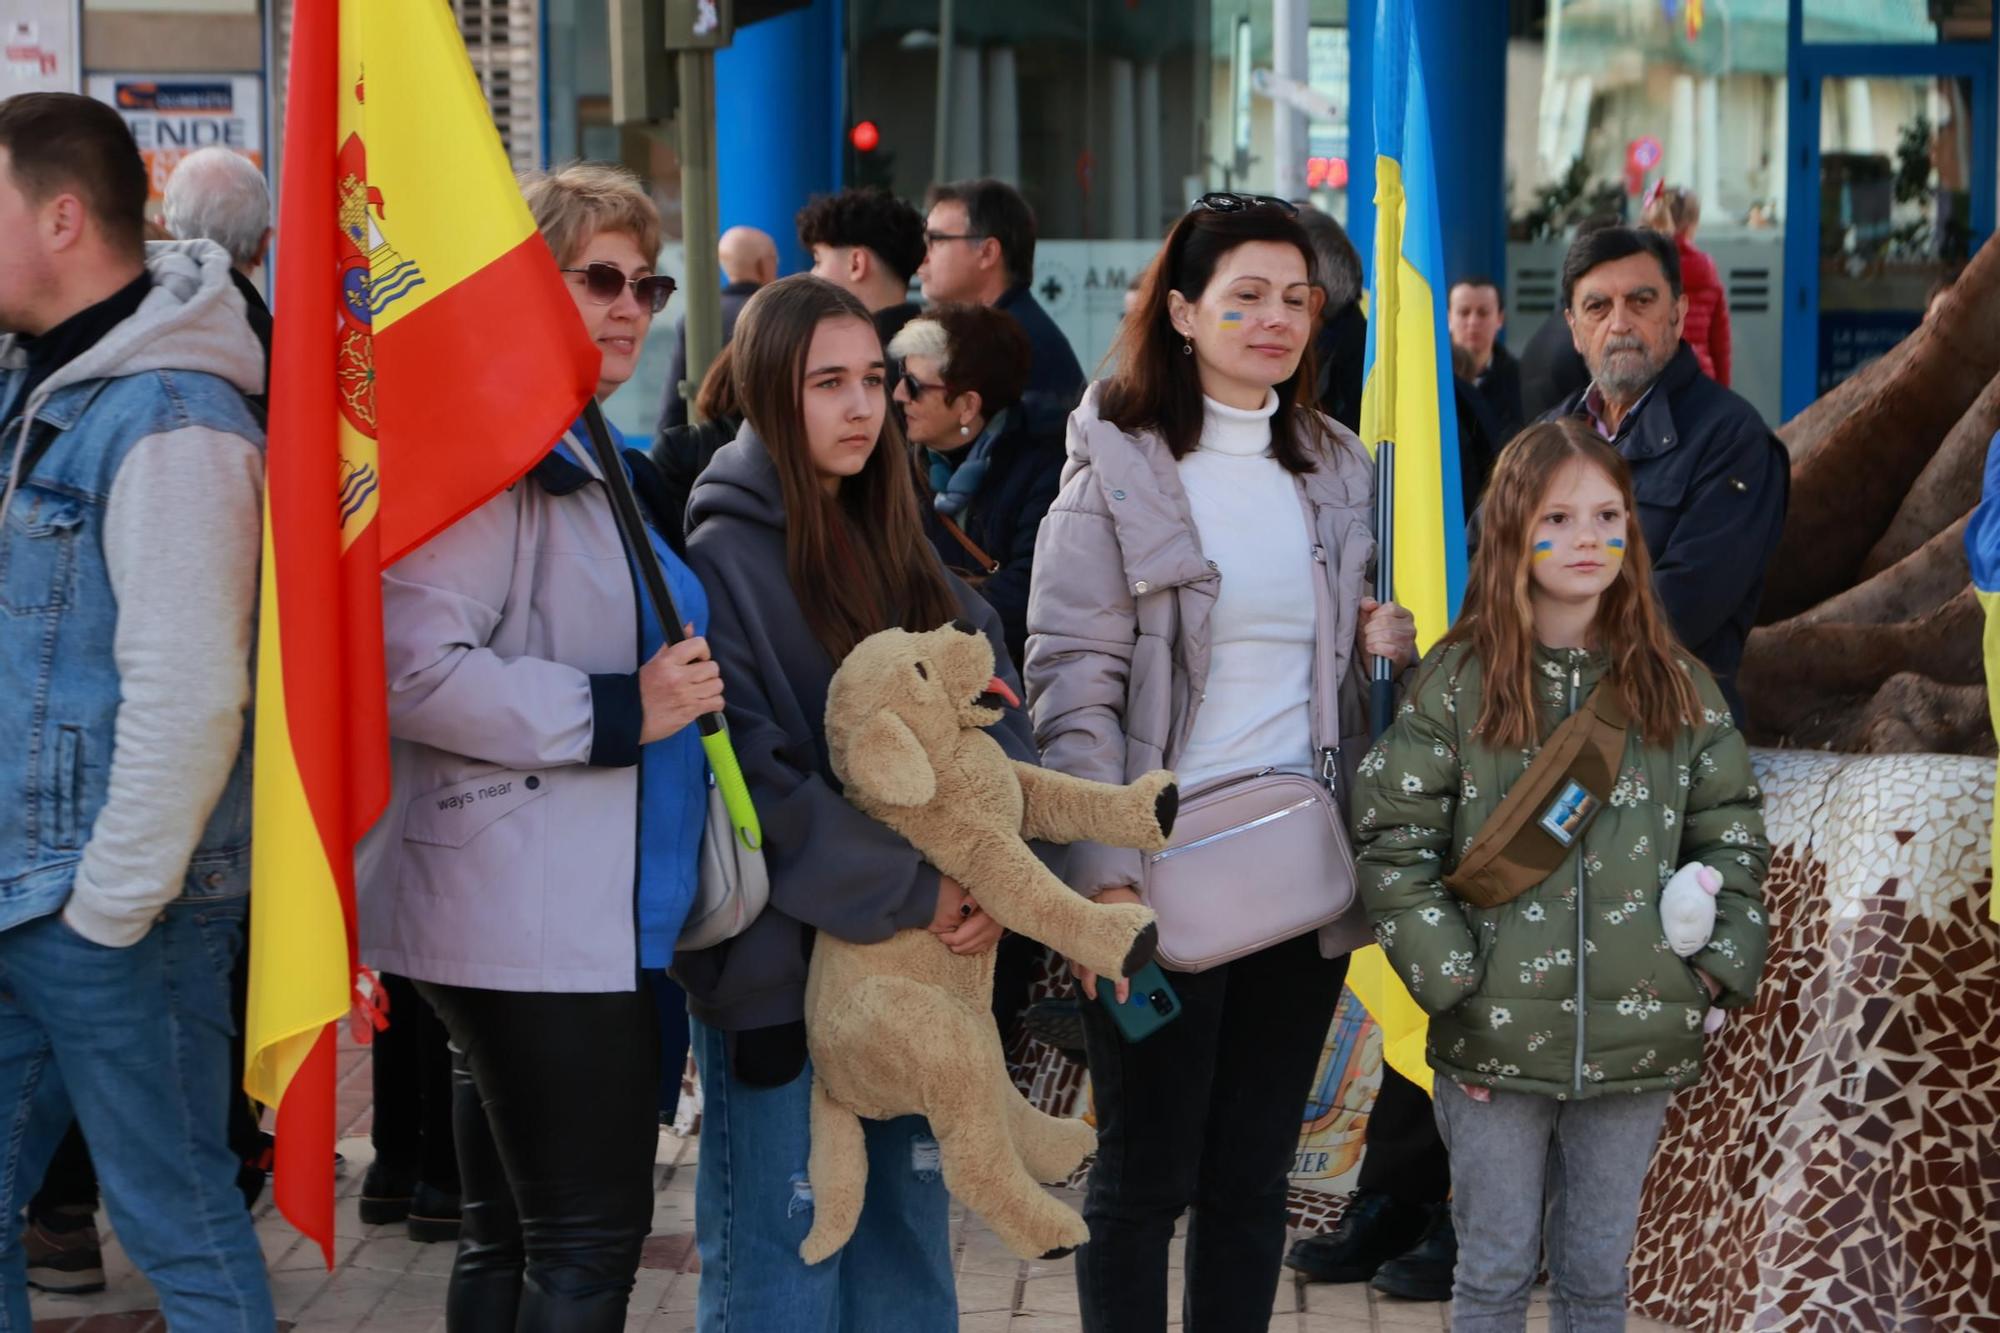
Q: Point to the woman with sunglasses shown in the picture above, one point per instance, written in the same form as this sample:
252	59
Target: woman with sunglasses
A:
991	476
1205	561
539	849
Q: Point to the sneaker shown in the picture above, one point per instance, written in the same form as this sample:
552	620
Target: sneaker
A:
1374	1229
69	1263
1423	1273
433	1214
385	1193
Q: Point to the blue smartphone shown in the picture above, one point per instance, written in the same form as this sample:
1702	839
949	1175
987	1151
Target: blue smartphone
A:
1150	1005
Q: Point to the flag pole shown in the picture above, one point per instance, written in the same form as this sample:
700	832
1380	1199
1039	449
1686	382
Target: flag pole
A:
714	734
1382	686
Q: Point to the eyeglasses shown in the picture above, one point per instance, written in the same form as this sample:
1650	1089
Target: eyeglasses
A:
1221	201
915	387
604	283
933	237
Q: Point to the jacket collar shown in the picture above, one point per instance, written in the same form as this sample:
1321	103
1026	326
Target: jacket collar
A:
1140	483
1651	430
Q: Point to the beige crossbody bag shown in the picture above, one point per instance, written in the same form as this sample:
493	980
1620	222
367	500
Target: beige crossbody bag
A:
1258	856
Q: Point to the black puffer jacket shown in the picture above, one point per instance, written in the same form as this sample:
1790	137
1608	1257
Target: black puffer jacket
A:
1020	484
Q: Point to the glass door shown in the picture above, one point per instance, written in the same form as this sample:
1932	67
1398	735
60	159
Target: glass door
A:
1892	188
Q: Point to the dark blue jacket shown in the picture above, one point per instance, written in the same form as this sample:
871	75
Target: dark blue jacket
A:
1020	485
1055	379
1712	483
673	407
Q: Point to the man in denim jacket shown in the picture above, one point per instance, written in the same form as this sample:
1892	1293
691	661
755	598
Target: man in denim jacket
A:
129	540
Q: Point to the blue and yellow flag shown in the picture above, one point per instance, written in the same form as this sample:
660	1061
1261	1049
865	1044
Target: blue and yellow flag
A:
1982	548
1406	399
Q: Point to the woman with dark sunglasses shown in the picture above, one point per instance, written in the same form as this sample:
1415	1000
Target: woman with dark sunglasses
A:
991	476
539	850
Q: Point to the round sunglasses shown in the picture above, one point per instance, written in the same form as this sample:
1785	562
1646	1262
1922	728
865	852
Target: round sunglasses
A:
1222	201
604	282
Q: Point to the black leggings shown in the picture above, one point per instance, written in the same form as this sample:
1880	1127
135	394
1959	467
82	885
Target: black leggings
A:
555	1105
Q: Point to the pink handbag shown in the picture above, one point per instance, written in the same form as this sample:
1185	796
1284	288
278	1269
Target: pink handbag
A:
1258	856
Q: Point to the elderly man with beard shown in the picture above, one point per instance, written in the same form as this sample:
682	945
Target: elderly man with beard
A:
1711	479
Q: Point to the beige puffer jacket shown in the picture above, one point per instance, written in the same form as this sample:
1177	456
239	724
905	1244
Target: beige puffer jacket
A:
1118	618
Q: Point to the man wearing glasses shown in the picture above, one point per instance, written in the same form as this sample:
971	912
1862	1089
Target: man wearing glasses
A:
980	247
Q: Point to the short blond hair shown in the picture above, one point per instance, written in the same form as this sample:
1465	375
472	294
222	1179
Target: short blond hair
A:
573	203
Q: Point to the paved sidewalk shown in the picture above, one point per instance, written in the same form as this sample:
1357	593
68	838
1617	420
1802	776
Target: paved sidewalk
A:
384	1283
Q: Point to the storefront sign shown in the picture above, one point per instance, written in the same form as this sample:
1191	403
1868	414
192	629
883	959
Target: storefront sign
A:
38	48
173	115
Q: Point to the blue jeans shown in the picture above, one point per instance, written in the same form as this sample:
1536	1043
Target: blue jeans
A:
753	1205
135	1044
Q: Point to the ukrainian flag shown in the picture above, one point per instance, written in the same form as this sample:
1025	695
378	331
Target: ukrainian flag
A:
1982	548
1406	400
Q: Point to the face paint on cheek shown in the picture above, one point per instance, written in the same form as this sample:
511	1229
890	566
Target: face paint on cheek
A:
1232	317
1616	545
1543	550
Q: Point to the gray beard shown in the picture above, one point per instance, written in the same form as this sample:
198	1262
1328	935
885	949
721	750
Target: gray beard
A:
1624	377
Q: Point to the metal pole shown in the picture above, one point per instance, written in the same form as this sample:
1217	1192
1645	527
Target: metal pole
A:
941	143
1382	686
701	283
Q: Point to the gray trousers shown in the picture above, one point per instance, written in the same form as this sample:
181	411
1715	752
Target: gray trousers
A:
1529	1172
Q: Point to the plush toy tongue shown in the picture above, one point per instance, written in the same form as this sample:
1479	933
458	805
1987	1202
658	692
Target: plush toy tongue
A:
997	689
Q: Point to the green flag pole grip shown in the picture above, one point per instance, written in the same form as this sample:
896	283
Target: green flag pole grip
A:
735	792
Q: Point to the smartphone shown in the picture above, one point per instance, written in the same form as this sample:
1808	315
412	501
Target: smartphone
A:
1150	1006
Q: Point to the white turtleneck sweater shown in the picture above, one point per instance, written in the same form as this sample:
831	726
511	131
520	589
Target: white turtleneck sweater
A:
1255	711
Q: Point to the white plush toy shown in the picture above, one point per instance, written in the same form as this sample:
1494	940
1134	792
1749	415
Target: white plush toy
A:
1687	915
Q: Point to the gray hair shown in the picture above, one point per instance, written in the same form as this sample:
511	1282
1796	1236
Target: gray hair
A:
219	195
1339	274
925	338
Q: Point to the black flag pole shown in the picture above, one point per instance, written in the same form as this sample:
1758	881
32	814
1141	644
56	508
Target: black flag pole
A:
1382	686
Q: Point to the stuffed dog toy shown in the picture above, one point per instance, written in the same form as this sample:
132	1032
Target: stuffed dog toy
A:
904	1027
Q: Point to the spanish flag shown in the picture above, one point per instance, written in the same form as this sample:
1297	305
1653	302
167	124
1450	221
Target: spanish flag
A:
1406	400
1982	548
425	357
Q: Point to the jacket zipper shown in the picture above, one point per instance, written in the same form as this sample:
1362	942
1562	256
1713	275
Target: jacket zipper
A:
1582	917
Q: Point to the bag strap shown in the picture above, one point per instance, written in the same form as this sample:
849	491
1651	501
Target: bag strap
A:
1512	852
987	564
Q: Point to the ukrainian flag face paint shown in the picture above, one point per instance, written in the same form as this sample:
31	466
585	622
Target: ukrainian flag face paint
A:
1543	550
1615	545
1232	317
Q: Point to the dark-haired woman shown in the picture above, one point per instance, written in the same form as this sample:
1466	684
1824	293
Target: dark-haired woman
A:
806	532
1174	623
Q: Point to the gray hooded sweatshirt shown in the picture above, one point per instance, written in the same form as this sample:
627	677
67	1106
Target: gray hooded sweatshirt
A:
832	868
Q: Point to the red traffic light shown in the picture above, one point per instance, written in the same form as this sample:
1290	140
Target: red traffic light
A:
865	136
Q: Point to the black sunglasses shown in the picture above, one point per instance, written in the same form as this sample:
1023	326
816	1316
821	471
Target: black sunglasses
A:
604	283
914	386
1221	201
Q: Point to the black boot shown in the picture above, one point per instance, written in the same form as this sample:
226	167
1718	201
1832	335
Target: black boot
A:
433	1214
386	1191
1374	1229
1423	1273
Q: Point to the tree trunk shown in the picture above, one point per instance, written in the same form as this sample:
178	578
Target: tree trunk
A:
1914	714
1849	486
1947	488
1794	675
1919	582
1805	433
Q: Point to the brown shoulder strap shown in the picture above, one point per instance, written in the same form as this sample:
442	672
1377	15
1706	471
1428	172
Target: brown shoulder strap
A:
987	564
1545	812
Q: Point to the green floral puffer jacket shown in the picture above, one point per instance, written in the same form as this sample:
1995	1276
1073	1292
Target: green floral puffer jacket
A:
1535	995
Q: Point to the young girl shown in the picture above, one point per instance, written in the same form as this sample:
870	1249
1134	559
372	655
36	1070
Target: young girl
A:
806	532
1562	1019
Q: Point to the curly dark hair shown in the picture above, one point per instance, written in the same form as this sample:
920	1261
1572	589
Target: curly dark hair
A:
869	216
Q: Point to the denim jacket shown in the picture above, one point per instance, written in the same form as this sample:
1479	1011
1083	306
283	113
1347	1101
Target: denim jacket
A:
129	538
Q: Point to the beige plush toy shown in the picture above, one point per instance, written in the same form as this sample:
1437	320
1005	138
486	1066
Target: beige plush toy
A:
904	1027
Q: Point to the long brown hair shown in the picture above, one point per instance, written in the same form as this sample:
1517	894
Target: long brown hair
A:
858	559
1498	617
1157	387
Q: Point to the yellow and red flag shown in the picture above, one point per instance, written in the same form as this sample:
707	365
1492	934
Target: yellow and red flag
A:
425	356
